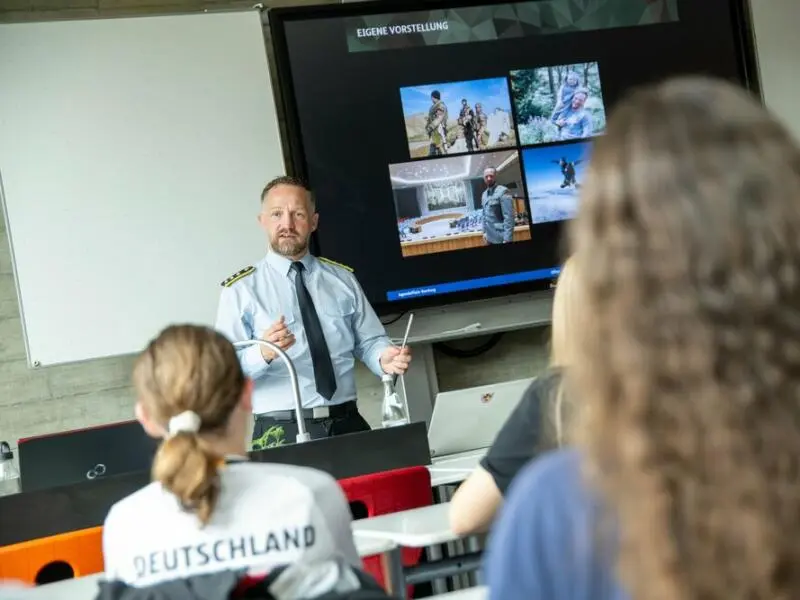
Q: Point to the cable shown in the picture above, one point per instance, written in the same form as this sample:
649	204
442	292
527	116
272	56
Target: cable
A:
395	320
448	350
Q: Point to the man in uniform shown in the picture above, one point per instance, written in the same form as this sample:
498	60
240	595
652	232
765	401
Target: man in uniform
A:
498	210
466	121
315	311
481	120
436	125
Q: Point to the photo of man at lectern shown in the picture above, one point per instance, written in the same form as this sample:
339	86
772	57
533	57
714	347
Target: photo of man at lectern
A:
315	311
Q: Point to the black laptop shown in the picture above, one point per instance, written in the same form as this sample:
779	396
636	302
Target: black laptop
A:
84	454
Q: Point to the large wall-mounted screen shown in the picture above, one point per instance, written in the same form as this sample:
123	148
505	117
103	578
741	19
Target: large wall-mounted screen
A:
447	142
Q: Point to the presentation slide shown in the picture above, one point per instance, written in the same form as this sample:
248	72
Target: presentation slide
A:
447	144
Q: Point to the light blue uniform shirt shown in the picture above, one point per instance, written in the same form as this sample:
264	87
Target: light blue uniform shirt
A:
352	329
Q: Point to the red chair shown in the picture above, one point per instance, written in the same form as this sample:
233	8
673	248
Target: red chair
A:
389	492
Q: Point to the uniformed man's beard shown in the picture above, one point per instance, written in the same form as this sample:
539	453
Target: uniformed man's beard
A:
289	246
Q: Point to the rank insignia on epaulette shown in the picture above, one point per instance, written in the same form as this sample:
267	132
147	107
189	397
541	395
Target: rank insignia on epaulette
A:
333	262
237	276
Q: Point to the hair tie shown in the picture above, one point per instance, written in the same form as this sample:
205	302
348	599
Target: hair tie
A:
188	421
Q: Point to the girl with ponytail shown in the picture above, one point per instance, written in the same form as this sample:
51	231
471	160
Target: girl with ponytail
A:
209	509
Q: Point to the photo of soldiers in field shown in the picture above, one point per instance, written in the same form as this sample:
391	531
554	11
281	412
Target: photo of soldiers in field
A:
458	117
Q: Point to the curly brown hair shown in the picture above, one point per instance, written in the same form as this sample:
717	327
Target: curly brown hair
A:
688	244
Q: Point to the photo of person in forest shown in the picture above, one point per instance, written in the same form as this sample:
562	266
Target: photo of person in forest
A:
559	103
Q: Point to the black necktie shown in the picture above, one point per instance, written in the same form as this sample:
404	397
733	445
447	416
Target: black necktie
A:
320	356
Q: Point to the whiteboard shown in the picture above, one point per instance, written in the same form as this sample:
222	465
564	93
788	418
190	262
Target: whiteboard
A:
133	152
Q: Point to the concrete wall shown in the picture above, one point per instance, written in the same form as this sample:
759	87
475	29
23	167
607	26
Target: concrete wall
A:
95	392
775	24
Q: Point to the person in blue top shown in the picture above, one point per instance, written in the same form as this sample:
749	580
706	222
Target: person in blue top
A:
684	476
543	547
313	309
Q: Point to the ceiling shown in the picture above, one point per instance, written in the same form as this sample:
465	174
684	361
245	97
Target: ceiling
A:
450	168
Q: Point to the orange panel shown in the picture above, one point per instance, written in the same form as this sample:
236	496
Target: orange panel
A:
29	561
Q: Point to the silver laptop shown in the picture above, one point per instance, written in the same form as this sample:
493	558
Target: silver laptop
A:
469	419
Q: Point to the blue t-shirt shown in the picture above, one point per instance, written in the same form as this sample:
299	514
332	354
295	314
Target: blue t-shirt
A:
544	545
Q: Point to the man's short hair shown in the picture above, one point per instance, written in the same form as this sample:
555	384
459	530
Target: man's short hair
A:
292	181
492	169
436	94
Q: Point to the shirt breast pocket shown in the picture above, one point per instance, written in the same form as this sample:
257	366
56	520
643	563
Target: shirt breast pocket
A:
337	319
343	308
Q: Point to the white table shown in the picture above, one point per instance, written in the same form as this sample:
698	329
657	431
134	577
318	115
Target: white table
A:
466	459
415	528
418	528
454	468
474	593
369	546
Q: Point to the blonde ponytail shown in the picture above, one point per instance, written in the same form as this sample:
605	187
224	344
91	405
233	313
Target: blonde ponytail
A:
185	467
189	381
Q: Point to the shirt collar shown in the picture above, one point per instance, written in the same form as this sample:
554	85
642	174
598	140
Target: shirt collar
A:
283	265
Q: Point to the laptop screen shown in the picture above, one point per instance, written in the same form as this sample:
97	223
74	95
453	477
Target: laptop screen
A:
85	454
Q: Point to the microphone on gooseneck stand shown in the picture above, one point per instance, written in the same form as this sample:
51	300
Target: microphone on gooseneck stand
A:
302	434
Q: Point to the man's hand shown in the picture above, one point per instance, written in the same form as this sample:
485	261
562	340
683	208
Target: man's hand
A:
395	361
279	335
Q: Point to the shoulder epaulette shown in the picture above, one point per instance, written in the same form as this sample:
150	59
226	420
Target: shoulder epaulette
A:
333	262
237	276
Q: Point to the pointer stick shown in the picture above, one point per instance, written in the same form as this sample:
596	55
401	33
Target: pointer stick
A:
408	329
403	345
